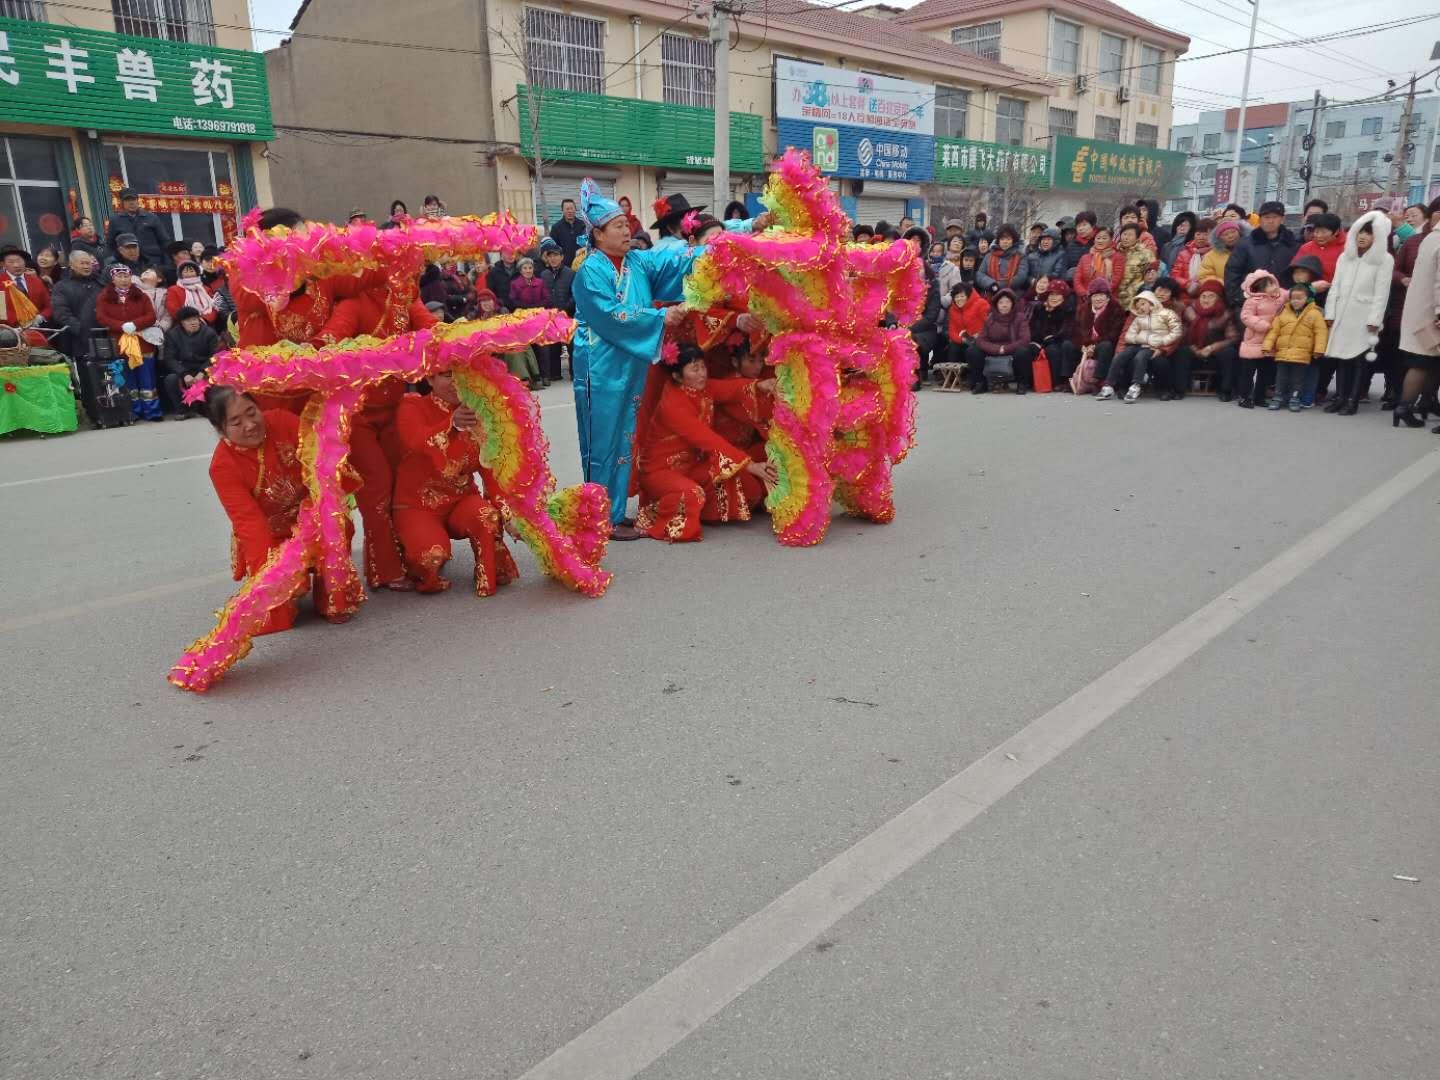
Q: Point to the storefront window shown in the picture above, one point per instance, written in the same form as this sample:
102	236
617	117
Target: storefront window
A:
32	208
159	170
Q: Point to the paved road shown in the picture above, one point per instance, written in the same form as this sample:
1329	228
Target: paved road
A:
454	837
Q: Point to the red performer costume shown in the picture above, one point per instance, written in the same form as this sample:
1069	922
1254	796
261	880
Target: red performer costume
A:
688	472
261	491
436	499
302	320
380	312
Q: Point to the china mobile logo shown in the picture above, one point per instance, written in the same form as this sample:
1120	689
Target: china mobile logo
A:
865	84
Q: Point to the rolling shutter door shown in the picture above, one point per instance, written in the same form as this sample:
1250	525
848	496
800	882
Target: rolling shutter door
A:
871	209
563	184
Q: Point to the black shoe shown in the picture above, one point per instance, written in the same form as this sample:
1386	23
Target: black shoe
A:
1406	413
1167	395
979	387
1246	403
1387	403
1177	395
1349	408
1435	430
1226	396
1019	390
1334	405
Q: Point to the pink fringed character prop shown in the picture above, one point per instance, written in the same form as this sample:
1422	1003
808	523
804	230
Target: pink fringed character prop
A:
567	530
844	408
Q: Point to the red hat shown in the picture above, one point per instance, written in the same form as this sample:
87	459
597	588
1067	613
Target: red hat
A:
1211	285
1058	287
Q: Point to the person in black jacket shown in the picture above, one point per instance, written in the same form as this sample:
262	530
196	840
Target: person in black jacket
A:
1271	247
567	231
923	331
149	231
1077	245
1052	327
560	280
190	345
73	303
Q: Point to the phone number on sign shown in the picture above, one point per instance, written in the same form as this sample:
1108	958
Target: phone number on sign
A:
188	123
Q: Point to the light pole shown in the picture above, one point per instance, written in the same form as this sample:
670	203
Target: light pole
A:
1245	86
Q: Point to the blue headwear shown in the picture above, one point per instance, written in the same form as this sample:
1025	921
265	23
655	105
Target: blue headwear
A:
595	208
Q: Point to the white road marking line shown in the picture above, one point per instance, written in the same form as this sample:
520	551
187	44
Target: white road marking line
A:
167	461
638	1033
104	471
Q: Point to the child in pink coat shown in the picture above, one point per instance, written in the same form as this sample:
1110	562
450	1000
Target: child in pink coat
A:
1263	300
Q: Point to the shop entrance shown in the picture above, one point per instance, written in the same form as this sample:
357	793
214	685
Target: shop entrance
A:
191	190
32	204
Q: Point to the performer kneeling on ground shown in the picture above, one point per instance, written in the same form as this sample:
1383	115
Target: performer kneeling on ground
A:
688	473
259	479
436	498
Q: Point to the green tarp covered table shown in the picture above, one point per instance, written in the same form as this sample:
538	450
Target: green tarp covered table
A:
36	399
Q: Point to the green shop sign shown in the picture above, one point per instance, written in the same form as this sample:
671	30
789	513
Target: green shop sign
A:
70	77
969	163
626	131
1091	165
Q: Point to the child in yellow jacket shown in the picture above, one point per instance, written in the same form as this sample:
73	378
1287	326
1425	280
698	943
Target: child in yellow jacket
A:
1296	337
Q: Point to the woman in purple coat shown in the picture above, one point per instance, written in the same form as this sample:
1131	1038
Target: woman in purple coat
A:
1006	333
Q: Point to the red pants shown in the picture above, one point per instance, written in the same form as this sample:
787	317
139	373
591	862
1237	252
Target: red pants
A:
675	503
377	482
425	536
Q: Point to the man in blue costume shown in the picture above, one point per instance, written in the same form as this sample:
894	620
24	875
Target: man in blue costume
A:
617	338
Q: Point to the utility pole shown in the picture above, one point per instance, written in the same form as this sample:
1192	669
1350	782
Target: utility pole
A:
1307	172
720	37
1403	144
1245	86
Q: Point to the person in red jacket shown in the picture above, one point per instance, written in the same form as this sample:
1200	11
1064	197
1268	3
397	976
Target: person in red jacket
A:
24	298
1326	243
436	498
964	320
190	291
1103	262
688	473
260	482
124	310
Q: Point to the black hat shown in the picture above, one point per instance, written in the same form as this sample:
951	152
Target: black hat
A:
670	207
1272	207
128	193
127	239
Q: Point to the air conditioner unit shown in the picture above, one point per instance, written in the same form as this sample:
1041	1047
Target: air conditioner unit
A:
1122	95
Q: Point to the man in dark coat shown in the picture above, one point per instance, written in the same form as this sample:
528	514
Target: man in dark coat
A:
1271	247
147	229
567	231
73	303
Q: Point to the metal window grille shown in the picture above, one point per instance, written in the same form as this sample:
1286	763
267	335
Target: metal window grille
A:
1208	172
952	112
1112	59
1330	164
1335	129
1062	121
1367	160
982	39
1147	135
1107	128
1148	77
23	9
1212	142
687	70
1371	125
1010	121
1186	144
171	20
565	52
1064	46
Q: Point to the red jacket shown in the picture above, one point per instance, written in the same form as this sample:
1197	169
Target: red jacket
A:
967	318
113	313
1328	254
440	463
1109	264
35	289
261	490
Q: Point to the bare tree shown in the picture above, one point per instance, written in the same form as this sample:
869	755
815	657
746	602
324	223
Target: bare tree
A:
516	50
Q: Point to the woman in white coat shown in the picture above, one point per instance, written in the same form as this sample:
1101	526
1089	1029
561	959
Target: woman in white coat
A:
1355	308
